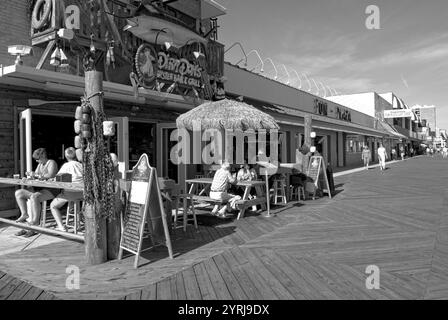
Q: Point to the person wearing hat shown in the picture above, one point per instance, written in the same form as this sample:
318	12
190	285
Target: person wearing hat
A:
46	169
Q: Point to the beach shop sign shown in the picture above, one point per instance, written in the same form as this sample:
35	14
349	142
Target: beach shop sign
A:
397	113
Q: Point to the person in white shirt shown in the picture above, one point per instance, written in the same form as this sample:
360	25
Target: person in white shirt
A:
46	169
444	152
74	168
382	156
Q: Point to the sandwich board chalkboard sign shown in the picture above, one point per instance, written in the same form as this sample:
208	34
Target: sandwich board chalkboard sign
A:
144	205
318	173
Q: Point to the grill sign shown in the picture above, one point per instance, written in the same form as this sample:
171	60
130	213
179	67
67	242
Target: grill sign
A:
178	70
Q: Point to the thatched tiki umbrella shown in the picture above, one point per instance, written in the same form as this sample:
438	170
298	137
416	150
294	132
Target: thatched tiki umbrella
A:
225	115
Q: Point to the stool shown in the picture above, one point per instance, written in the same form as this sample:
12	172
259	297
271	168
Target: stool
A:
76	205
201	188
43	214
188	207
279	190
296	191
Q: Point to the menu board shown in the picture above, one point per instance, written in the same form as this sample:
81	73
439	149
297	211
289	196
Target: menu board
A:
144	205
318	173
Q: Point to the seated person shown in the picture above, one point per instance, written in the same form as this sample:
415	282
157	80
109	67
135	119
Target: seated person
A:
219	187
246	173
46	169
74	168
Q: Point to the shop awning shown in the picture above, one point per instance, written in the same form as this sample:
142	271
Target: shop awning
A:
390	131
57	82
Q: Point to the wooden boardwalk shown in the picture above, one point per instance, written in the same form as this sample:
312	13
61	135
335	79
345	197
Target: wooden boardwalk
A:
319	249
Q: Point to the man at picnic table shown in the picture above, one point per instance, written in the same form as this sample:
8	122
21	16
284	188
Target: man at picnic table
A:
218	191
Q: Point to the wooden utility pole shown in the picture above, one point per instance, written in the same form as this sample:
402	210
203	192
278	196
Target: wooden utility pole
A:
308	129
95	229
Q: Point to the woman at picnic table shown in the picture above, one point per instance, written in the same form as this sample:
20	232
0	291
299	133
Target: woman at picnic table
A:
46	169
219	190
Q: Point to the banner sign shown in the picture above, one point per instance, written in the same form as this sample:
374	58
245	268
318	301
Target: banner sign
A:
397	113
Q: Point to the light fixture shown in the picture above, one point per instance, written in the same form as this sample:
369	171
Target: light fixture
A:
20	51
67	34
55	59
130	24
313	149
325	90
259	57
242	49
317	93
198	54
300	81
167	45
171	87
287	74
313	135
308	80
276	71
64	60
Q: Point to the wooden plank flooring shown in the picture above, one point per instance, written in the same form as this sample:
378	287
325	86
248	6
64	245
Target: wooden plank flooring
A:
318	249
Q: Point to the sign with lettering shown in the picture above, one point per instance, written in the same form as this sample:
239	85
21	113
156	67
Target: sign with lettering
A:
150	66
144	205
398	113
320	107
318	173
343	114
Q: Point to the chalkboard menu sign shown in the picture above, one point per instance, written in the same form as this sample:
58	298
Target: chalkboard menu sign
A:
144	205
318	173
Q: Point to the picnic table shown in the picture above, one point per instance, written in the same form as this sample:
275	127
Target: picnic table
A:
242	204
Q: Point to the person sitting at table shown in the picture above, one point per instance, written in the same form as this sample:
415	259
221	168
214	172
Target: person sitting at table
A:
73	167
46	169
219	187
246	173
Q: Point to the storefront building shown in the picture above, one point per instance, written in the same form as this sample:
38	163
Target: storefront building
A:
340	131
161	62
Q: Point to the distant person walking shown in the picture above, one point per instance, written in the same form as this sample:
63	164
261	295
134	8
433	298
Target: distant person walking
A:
366	155
402	152
394	154
382	156
444	152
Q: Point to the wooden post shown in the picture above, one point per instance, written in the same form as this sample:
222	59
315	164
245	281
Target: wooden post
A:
95	236
308	128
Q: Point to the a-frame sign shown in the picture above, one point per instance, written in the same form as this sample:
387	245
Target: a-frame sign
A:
144	205
318	173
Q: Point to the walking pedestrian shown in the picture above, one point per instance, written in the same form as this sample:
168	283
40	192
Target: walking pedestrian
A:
402	152
366	155
444	152
382	156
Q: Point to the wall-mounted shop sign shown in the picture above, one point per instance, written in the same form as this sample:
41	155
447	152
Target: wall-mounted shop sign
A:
343	114
398	113
320	107
165	68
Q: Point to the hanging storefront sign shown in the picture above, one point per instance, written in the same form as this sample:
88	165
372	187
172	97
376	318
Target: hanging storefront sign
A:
165	69
397	113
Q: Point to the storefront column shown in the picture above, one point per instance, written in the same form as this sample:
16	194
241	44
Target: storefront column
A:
340	150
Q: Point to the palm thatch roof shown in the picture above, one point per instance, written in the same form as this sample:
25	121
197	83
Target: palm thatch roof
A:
227	114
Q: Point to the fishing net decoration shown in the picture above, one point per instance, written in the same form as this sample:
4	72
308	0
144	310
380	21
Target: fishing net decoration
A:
98	168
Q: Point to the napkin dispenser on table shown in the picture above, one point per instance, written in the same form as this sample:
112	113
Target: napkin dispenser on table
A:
64	177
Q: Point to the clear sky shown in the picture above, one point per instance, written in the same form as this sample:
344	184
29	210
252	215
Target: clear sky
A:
329	41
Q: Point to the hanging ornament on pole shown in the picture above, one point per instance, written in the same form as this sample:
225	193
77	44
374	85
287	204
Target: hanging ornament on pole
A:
55	59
